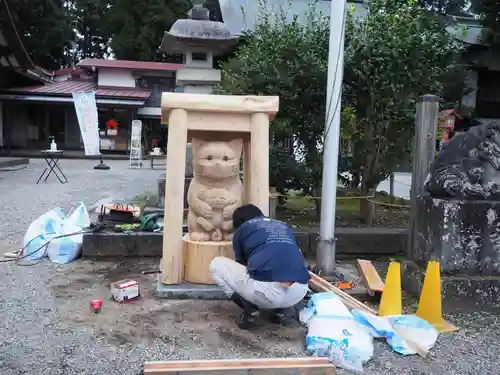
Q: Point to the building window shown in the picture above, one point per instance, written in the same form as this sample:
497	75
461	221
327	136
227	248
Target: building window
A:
158	86
488	94
199	56
172	57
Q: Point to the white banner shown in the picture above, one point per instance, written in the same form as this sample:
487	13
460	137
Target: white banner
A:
135	144
86	111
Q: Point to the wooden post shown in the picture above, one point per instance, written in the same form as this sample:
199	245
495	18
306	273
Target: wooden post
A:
174	201
391	187
273	201
259	174
247	160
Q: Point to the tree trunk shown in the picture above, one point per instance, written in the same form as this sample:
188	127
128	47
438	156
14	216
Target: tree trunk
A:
316	192
366	208
367	188
356	180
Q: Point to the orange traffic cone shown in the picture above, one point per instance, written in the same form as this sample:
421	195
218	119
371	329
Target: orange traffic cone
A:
391	302
430	304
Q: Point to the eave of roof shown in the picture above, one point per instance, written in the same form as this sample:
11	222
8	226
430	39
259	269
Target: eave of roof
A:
128	65
66	88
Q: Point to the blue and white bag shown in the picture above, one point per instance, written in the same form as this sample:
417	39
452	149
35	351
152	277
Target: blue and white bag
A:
333	333
43	237
420	331
40	232
66	249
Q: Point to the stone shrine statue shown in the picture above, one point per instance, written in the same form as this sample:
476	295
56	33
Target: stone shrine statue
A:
468	166
215	190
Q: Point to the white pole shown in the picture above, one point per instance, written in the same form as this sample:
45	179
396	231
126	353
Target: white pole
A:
325	258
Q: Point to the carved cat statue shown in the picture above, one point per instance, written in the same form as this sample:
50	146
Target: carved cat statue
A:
215	190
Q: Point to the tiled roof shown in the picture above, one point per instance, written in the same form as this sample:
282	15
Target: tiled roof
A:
64	71
66	88
131	65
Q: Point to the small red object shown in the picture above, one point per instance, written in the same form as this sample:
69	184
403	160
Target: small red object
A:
96	305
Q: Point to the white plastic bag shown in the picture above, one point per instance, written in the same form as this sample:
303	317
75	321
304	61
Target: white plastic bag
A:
333	333
66	249
40	232
413	327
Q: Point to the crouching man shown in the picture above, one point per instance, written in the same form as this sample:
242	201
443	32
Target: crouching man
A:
269	272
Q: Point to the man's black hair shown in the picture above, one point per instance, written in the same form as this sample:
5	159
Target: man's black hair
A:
244	213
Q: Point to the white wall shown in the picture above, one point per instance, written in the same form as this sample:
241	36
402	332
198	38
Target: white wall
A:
115	77
469	100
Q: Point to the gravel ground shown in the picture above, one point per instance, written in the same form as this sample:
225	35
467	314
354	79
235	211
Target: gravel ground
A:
47	326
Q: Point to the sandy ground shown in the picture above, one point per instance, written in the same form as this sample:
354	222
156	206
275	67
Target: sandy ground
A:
47	326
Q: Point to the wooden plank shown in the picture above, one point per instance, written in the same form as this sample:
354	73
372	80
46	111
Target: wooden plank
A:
270	366
372	279
174	202
238	362
259	163
220	103
212	121
351	302
280	370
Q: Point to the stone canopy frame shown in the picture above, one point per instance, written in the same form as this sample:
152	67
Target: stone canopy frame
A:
213	117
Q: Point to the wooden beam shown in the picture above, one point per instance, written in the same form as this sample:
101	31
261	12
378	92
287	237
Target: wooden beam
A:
270	366
247	168
174	202
318	283
372	279
259	164
220	103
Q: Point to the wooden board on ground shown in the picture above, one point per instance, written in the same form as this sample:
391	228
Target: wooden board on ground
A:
269	366
319	284
372	279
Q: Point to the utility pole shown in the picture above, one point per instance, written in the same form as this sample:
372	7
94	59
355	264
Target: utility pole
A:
325	258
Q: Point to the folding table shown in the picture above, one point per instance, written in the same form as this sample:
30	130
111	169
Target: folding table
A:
52	159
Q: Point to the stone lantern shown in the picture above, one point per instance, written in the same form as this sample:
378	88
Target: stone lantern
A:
200	40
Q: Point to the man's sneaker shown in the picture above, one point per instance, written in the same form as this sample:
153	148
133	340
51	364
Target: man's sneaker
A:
283	317
248	320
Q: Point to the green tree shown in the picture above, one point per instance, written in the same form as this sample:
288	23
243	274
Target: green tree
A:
288	59
137	27
90	21
45	28
392	56
396	53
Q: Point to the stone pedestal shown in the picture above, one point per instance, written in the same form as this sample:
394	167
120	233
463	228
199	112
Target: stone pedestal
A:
464	236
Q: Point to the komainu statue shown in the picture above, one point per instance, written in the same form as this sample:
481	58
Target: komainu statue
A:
215	190
468	166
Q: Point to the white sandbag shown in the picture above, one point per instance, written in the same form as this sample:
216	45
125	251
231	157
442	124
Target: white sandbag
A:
40	232
410	326
67	248
333	333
